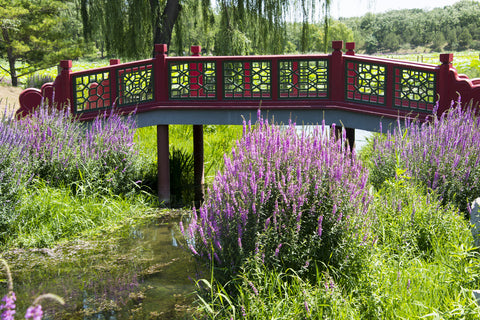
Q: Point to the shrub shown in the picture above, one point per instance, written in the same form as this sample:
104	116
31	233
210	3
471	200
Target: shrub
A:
181	178
13	176
442	154
38	80
50	148
292	199
98	156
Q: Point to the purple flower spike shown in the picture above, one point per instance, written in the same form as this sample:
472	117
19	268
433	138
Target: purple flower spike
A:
278	189
34	312
8	306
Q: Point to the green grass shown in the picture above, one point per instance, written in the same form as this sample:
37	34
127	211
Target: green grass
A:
466	62
47	215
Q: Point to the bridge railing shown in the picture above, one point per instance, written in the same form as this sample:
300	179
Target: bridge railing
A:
357	82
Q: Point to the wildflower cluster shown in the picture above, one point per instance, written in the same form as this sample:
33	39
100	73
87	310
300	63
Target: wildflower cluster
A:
50	147
62	152
292	199
442	154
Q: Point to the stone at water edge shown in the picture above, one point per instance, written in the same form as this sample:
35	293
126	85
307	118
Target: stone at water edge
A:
475	221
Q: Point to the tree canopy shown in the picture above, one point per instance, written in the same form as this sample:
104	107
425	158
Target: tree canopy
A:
37	34
129	28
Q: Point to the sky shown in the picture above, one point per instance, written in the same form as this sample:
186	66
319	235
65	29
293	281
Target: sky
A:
357	8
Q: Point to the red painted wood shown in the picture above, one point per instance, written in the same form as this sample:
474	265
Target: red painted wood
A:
449	82
336	73
161	73
113	95
63	86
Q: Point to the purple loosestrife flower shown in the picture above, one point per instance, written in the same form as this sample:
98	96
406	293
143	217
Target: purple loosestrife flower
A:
307	309
255	291
34	312
277	251
8	306
439	154
276	188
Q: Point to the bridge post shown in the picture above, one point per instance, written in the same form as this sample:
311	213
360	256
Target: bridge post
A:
161	94
63	86
198	152
113	95
161	74
444	84
163	165
337	72
337	83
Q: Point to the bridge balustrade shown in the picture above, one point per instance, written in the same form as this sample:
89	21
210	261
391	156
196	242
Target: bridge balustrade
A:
353	82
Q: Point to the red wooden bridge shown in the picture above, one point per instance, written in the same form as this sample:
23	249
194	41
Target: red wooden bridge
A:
355	90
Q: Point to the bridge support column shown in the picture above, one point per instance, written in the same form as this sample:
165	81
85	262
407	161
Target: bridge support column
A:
198	167
163	165
350	135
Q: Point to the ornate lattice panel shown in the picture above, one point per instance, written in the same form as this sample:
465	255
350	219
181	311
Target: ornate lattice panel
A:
135	84
91	91
365	82
303	79
247	80
414	89
196	80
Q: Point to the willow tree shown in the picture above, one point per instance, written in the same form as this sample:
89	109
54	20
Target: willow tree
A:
259	26
129	28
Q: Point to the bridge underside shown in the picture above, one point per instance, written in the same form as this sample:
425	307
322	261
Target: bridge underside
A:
348	119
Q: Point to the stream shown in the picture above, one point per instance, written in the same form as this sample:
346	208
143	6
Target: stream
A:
137	272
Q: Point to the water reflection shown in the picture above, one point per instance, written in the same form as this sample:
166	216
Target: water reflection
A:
135	273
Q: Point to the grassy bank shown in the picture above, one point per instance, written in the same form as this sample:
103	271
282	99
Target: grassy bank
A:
415	258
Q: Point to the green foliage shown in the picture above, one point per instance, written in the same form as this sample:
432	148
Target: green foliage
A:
181	178
36	32
46	215
455	27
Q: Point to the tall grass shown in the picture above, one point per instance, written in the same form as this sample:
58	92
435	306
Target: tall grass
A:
60	177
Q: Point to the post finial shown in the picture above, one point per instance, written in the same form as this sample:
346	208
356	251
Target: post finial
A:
196	50
160	48
337	45
446	58
350	48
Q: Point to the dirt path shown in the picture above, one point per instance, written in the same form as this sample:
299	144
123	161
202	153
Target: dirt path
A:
9	97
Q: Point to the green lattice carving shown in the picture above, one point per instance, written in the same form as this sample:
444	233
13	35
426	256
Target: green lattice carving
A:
135	84
196	80
414	89
303	79
91	91
247	80
365	82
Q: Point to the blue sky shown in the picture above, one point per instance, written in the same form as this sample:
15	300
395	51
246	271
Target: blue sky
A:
356	8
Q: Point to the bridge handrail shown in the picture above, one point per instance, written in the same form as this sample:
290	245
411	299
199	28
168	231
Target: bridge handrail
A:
345	79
